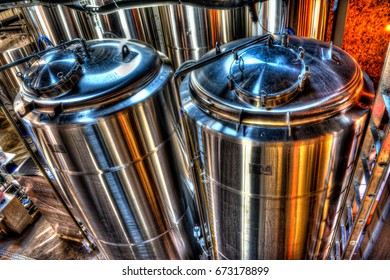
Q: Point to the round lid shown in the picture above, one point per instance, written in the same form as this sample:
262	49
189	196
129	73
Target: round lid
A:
54	74
265	76
76	77
269	84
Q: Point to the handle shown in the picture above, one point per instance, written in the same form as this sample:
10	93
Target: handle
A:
51	111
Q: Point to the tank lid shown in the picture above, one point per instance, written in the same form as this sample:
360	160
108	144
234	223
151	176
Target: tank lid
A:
270	84
265	76
54	74
74	77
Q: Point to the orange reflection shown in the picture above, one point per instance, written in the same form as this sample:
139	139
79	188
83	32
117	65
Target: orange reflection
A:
367	33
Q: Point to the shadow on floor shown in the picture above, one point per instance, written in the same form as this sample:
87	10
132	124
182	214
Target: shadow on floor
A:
39	241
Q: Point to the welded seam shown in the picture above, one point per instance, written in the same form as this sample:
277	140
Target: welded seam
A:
149	240
251	195
120	167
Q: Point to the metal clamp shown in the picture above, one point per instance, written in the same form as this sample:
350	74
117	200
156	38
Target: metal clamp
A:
201	242
263	96
198	154
303	77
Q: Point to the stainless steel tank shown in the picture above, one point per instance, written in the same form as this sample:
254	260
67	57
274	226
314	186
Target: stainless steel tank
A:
273	133
142	24
60	24
272	18
106	119
309	18
12	48
304	18
190	32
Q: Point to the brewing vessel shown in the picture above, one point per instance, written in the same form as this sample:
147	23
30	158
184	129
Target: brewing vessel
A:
190	32
12	48
59	23
104	116
273	131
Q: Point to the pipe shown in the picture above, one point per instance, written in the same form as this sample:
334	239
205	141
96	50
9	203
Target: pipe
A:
132	4
28	58
203	62
196	170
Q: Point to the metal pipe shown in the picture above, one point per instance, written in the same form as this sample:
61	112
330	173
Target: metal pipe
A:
196	174
217	57
186	68
28	58
127	4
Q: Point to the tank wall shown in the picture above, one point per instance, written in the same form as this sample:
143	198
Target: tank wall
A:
309	18
271	195
9	77
190	31
128	176
60	24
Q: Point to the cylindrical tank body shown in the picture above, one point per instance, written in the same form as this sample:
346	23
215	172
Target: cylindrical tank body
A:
59	24
306	18
273	146
107	124
142	24
190	32
272	18
12	48
309	18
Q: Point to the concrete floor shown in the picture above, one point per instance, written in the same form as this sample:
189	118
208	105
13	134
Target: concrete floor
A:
39	241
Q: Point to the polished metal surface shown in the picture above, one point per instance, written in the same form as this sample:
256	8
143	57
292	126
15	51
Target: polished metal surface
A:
272	180
59	23
142	24
12	48
191	31
272	18
53	75
371	178
309	18
110	6
117	150
112	66
185	33
304	18
333	93
252	70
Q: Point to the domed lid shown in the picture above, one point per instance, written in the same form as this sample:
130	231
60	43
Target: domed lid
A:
77	78
269	84
54	74
265	76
